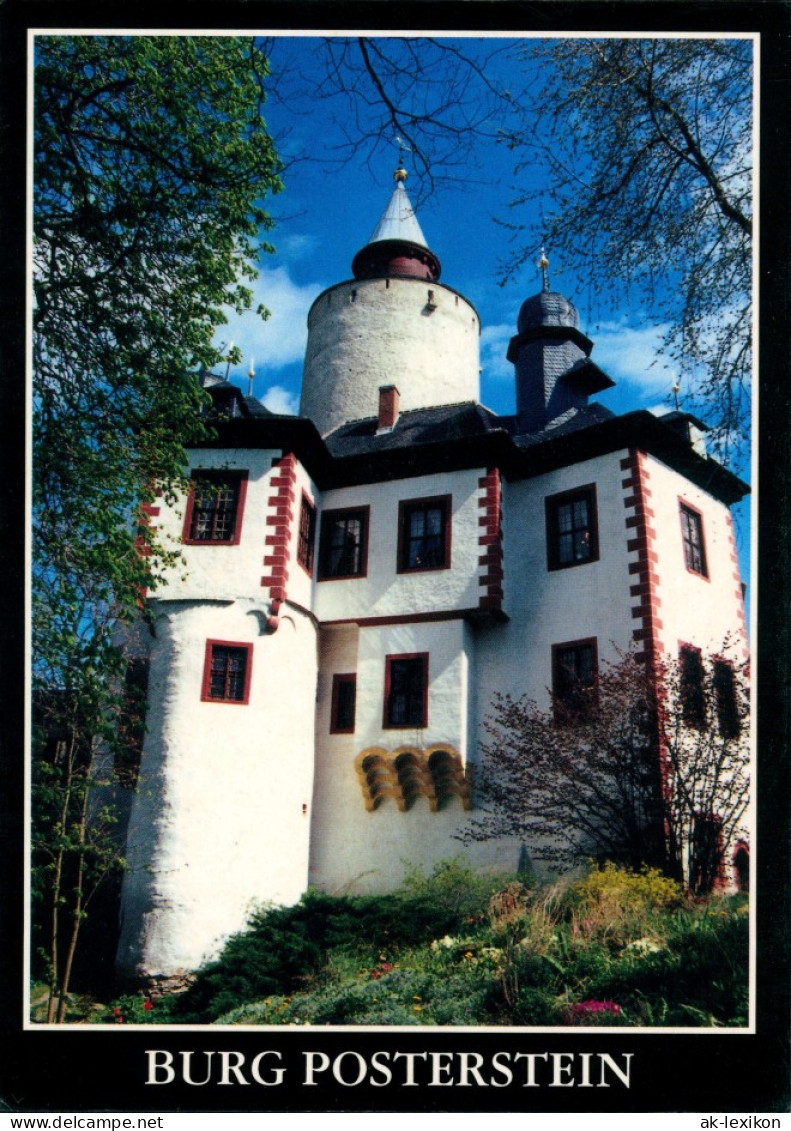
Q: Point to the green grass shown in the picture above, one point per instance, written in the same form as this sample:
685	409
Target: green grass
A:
615	948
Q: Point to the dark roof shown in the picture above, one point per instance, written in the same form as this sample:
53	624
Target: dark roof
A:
450	437
418	426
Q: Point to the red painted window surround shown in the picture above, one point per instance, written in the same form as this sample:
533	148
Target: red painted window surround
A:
575	669
572	528
306	534
221	514
424	534
406	691
692	690
344	703
343	544
693	538
227	669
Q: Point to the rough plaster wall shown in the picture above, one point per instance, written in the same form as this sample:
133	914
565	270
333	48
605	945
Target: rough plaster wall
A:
387	335
368	850
385	592
221	571
222	787
696	610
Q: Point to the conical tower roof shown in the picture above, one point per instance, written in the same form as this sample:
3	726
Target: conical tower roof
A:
398	221
397	246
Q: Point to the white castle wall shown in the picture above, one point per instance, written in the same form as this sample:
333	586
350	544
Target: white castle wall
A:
384	591
695	610
222	787
367	333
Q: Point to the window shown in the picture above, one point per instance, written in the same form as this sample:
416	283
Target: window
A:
424	534
226	672
307	534
726	699
406	691
574	672
692	536
343	546
344	702
572	531
693	698
214	508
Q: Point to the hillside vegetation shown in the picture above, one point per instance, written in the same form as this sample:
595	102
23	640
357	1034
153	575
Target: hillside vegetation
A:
613	948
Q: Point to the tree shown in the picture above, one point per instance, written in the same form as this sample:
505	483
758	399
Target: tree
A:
629	776
151	162
646	147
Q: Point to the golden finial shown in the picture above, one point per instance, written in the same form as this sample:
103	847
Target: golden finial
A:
543	266
400	175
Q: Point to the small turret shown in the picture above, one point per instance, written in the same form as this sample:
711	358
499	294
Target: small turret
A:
554	373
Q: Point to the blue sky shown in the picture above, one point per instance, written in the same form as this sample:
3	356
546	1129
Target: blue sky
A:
328	211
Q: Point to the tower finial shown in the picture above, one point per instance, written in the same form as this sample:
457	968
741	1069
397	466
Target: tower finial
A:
400	175
250	378
543	264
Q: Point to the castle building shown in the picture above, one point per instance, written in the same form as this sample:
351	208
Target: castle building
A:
359	581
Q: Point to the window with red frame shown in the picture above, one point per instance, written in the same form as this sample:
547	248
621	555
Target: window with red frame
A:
574	682
572	529
344	702
692	537
226	675
406	691
343	546
692	686
307	534
424	534
726	699
214	508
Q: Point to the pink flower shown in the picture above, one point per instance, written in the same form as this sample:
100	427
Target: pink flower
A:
148	1005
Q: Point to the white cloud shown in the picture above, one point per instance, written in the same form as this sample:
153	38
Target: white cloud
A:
632	356
281	339
494	343
280	400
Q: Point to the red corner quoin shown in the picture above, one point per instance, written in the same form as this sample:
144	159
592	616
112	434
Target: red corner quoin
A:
278	540
490	540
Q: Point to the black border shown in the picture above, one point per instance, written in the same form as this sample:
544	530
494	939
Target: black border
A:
91	1071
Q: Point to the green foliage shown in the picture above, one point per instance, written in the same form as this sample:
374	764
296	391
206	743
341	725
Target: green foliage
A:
647	144
284	946
613	948
151	160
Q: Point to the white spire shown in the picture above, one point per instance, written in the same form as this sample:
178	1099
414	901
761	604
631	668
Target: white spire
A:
398	221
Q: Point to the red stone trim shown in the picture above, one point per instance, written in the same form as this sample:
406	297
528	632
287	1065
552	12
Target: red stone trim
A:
737	590
646	603
492	574
407	618
284	485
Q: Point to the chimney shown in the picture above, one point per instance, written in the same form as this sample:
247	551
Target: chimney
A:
388	407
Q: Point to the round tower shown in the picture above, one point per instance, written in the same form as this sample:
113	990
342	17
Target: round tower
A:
394	323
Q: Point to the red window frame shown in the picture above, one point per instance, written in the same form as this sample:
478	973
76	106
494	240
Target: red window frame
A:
590	530
407	506
306	534
209	671
693	539
337	724
692	686
567	711
726	698
328	520
411	723
222	477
